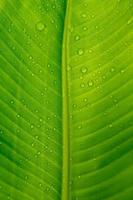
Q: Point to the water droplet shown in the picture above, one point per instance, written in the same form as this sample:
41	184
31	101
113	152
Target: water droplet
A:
18	131
84	28
83	15
77	37
40	119
90	83
110	125
40	184
18	115
26	177
12	101
79	127
80	52
112	69
122	71
52	21
40	26
90	51
32	126
30	57
32	144
82	85
45	89
129	21
84	70
85	99
48	118
48	65
74	105
92	16
54	6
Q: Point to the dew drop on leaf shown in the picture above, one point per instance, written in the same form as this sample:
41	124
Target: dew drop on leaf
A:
12	101
85	99
18	115
80	52
83	15
110	125
90	83
40	26
122	71
90	51
74	105
77	37
82	85
32	126
79	127
112	69
129	21
52	21
40	119
48	65
84	28
84	70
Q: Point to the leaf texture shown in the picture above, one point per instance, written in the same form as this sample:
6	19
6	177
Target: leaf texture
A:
31	99
66	105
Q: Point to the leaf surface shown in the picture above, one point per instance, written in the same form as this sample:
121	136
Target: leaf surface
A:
66	100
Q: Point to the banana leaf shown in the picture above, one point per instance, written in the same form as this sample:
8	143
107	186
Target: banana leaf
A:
66	100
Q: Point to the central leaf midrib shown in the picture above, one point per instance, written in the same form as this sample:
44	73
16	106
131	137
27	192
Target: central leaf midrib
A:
65	109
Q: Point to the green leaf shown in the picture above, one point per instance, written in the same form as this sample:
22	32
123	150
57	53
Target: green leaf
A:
66	103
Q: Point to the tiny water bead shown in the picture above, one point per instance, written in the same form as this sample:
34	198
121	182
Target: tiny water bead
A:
18	130
80	126
80	52
90	51
122	71
40	120
129	21
18	116
74	105
12	101
84	15
84	70
90	83
48	65
52	21
32	126
84	28
30	57
82	85
110	125
85	99
40	26
77	37
112	69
